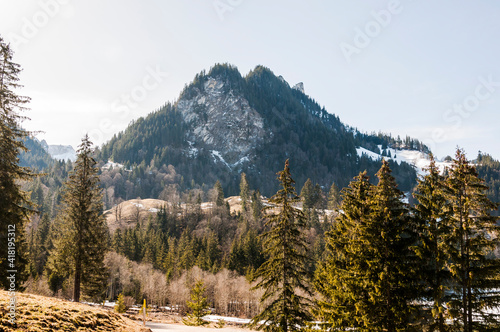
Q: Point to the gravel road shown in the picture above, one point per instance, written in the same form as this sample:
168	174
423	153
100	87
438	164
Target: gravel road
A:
159	327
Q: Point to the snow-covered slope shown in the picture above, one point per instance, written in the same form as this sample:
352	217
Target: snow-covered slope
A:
372	155
418	159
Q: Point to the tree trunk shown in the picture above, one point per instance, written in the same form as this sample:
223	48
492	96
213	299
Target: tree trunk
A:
469	287
78	277
464	269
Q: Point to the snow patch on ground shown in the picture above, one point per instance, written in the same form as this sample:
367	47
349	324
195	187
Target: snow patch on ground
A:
193	152
241	161
111	164
217	154
418	159
368	153
216	318
207	205
141	206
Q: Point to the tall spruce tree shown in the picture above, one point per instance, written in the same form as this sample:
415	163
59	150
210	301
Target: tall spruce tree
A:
244	192
333	197
39	246
307	194
475	270
15	205
81	242
285	271
318	199
219	200
198	305
256	205
433	226
391	275
371	265
335	277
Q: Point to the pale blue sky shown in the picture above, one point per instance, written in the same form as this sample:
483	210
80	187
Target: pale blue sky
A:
428	69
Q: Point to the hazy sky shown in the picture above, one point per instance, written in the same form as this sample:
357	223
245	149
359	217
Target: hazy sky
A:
428	69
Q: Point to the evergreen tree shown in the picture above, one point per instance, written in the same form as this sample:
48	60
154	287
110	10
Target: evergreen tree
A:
252	250
307	194
433	226
186	250
244	192
32	251
203	260
117	243
40	246
370	267
120	306
318	201
475	271
257	205
236	261
170	263
15	205
285	272
198	305
333	197
391	273
82	240
344	259
213	252
246	253
219	201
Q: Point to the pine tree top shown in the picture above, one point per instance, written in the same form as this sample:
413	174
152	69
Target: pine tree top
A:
287	194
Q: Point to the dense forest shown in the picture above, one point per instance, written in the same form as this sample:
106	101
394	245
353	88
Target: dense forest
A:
180	244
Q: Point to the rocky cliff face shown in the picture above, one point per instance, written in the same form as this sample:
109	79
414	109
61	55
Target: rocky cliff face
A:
60	152
222	120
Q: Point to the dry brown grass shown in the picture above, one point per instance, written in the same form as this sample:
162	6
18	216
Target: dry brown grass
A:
39	313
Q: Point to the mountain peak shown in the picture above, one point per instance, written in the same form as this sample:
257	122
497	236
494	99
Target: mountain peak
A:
224	124
224	70
59	152
300	87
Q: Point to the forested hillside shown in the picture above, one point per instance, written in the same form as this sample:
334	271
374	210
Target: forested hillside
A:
489	170
36	156
224	124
